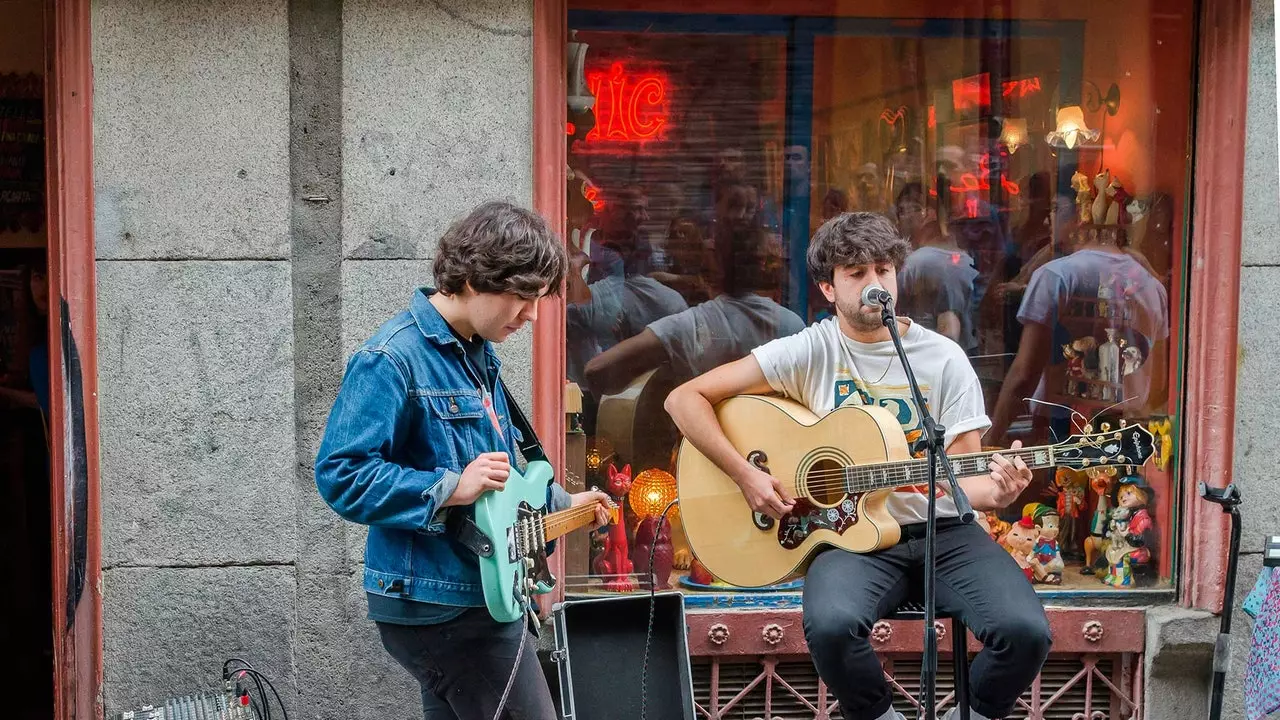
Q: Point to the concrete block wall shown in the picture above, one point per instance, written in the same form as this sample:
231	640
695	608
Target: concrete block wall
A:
1259	356
271	179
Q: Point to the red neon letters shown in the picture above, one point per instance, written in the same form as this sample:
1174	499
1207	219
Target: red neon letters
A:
630	107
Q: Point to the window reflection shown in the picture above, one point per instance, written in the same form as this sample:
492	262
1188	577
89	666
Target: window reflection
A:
1054	266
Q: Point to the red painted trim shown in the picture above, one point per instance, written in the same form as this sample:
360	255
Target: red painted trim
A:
69	146
1123	631
549	179
1213	315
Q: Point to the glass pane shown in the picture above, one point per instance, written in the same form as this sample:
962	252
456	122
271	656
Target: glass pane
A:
1037	167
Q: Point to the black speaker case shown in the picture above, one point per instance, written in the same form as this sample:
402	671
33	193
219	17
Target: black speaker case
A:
611	661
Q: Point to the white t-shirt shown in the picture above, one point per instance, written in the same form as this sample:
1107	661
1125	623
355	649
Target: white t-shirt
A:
722	330
1082	296
823	368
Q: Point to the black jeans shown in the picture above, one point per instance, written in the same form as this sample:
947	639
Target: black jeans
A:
846	593
463	666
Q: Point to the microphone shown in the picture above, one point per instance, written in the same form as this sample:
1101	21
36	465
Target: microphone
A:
876	296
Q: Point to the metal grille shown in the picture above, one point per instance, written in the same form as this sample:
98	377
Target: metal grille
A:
765	688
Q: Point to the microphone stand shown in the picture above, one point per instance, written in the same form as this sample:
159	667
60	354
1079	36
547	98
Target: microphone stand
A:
934	435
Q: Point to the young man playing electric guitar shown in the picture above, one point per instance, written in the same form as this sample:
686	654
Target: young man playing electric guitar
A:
421	428
850	358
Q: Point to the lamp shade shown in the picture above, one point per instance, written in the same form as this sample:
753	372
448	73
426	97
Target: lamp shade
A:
1071	129
651	492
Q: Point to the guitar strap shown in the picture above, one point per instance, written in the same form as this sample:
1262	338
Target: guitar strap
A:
463	527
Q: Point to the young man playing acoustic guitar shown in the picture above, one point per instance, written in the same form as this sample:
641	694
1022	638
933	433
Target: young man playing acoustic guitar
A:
850	358
422	426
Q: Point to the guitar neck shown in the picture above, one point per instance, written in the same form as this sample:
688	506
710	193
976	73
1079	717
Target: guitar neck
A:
566	521
882	476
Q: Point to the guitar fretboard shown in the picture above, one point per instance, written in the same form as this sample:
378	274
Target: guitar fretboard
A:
880	476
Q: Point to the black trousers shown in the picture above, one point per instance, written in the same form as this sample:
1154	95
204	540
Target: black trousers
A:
845	594
463	666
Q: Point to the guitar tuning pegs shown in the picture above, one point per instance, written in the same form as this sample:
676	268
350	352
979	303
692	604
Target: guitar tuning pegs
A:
1124	423
1088	429
1106	427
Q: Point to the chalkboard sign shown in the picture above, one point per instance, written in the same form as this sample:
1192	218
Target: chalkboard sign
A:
22	153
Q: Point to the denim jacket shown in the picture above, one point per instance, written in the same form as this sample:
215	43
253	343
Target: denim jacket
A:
408	418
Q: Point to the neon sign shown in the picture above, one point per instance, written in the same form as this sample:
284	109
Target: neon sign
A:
970	182
630	107
970	92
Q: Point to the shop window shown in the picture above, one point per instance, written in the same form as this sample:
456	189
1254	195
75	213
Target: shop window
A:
1037	162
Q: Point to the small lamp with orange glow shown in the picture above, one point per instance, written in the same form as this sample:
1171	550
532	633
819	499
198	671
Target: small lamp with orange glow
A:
1013	133
651	492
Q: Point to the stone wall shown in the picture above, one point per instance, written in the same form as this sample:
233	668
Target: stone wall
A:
271	180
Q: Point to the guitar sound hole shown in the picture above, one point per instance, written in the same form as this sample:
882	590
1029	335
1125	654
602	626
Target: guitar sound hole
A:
825	482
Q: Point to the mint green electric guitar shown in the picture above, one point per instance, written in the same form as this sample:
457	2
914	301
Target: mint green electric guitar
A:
513	519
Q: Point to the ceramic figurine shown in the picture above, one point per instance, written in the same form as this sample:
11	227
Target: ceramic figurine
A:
991	524
1161	429
1020	541
1046	557
1100	183
1106	292
1109	364
660	546
1071	503
1080	182
1100	483
1118	211
614	563
1128	552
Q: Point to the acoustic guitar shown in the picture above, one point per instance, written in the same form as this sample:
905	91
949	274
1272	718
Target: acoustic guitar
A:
840	469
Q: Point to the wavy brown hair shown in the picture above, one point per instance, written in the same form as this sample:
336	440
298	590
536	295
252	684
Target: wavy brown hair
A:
855	238
500	248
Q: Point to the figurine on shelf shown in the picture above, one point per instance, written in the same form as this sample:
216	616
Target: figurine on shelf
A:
1128	551
992	524
1106	293
1109	365
1100	483
660	546
1080	182
1020	541
613	564
1100	182
1046	558
1118	212
1070	506
1161	429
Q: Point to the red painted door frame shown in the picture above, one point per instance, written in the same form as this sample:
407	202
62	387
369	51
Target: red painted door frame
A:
1213	309
73	421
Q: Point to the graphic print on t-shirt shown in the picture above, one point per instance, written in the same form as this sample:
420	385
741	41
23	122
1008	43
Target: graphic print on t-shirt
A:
898	400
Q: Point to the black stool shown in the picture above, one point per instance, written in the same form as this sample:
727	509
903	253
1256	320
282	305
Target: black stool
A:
912	609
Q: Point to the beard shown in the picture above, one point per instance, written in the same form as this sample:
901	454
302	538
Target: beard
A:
857	319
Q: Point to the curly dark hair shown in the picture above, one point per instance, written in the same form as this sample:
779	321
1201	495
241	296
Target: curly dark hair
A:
500	248
855	238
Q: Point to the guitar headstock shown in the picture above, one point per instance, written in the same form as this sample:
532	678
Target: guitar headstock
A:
1125	445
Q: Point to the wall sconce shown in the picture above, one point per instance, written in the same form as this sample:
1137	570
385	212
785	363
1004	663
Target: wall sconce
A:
1110	101
1013	133
1071	128
579	95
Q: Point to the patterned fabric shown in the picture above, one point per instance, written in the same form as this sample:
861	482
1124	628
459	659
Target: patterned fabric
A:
1262	675
1253	602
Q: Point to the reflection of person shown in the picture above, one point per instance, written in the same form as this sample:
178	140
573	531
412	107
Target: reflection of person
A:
835	202
850	358
621	301
740	317
937	279
1069	305
36	394
420	429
